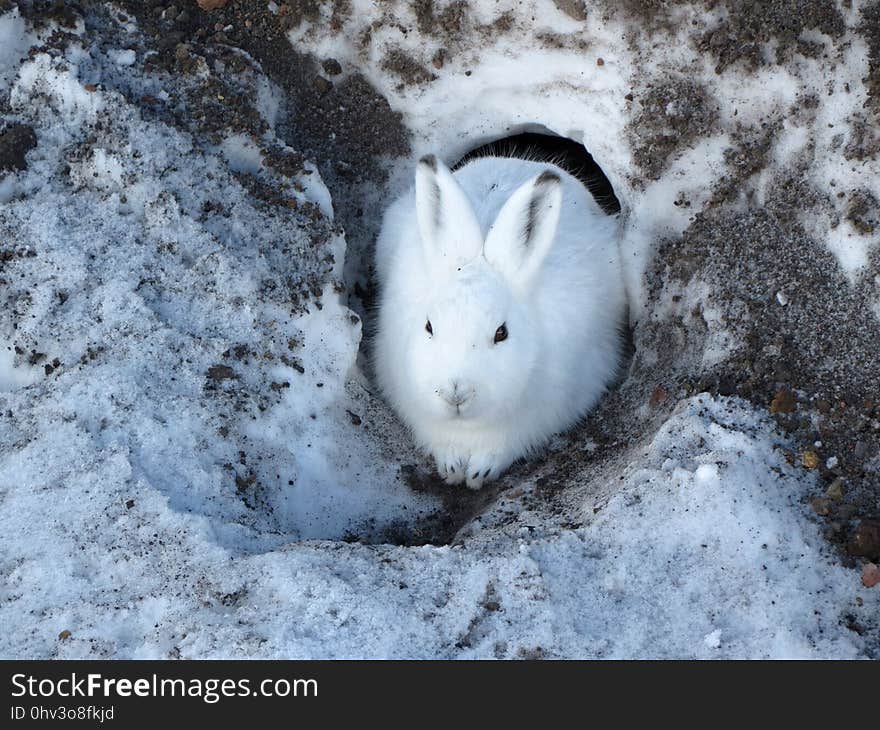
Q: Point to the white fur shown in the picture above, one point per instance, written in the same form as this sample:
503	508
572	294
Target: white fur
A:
454	251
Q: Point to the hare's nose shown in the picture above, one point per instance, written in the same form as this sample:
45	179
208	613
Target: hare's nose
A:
457	395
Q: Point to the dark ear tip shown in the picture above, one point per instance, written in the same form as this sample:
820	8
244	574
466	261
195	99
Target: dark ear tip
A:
429	161
548	177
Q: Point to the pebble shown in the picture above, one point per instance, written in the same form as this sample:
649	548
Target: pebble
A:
575	9
322	85
783	402
332	67
810	459
821	506
865	541
835	490
658	396
870	575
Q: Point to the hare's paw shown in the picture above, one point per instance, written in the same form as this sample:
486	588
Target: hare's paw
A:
483	468
451	468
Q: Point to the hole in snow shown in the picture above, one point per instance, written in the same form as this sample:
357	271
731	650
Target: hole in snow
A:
463	511
568	154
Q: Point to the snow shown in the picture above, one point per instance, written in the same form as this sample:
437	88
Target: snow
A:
180	467
14	43
122	57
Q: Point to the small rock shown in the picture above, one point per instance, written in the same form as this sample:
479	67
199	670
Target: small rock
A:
821	506
129	503
439	59
783	402
332	67
575	9
91	88
15	142
600	61
810	459
64	635
322	85
220	372
658	396
835	490
831	462
210	5
782	298
865	541
870	575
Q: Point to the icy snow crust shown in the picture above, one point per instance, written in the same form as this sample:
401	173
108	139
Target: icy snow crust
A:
187	442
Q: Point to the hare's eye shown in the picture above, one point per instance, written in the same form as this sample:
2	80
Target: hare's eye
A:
428	328
501	334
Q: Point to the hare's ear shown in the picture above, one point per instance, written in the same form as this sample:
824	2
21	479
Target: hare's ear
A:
523	232
447	224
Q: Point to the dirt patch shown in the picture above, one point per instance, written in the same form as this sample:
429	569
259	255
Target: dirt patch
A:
16	141
673	115
406	68
863	211
364	129
575	9
448	21
864	139
750	25
870	29
745	158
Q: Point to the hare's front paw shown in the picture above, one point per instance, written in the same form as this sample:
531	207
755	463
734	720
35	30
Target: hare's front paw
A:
483	468
451	467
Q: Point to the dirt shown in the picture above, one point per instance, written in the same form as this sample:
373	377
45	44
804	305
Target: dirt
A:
450	20
365	129
575	9
673	114
745	158
751	24
863	211
406	68
16	141
870	30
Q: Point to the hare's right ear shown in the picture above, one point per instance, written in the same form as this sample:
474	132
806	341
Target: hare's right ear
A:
522	234
447	224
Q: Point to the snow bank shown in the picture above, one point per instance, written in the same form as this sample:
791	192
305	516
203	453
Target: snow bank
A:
162	314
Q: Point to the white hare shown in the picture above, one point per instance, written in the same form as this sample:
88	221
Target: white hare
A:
502	302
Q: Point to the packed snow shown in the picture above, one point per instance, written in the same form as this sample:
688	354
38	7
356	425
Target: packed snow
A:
192	462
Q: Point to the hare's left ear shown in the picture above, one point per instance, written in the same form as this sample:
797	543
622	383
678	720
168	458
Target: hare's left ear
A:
523	232
448	227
